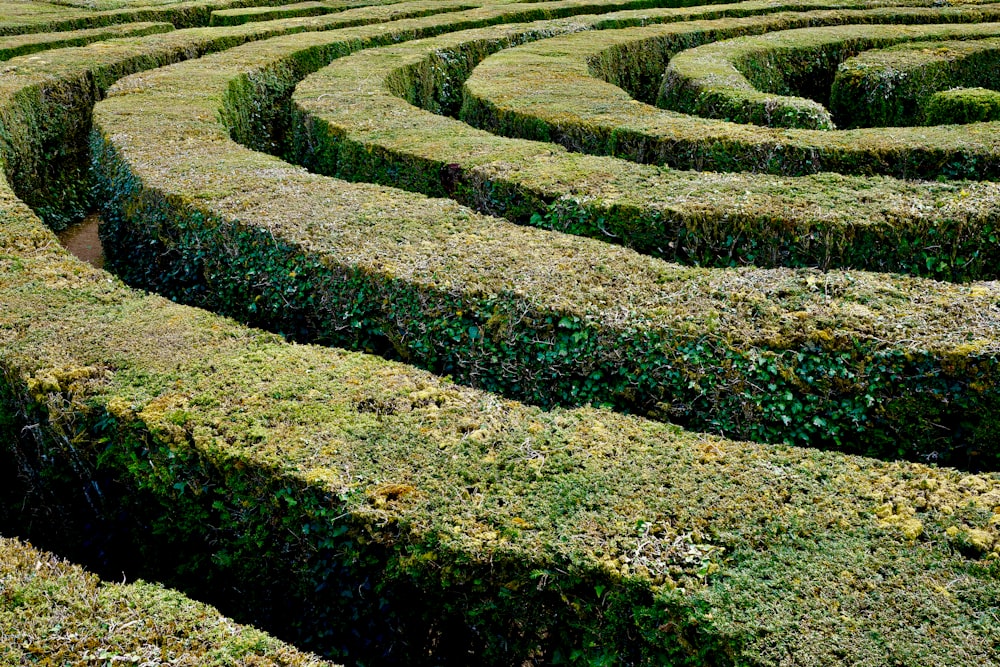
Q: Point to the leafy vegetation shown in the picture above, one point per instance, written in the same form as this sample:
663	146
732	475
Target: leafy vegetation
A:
55	613
382	514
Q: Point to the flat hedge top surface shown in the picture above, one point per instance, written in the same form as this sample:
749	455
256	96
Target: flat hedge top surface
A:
822	214
55	613
575	534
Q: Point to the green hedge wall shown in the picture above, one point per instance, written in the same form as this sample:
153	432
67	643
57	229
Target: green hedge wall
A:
322	492
935	229
759	79
562	102
54	612
894	86
433	286
963	105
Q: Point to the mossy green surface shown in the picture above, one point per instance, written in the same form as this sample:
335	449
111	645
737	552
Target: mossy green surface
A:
854	360
312	8
32	16
357	123
56	613
963	105
761	80
384	514
20	45
523	534
895	86
562	102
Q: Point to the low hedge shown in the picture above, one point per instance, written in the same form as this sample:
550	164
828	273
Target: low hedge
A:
935	229
852	360
894	86
19	45
51	173
45	140
18	18
385	514
561	101
759	79
53	613
379	513
963	105
311	8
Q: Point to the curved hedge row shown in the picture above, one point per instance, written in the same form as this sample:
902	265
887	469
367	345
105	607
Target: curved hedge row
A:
332	490
380	513
760	79
312	8
18	18
48	159
850	360
963	105
20	45
895	86
562	102
932	229
53	612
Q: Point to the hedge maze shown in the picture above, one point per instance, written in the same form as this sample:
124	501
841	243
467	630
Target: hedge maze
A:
448	332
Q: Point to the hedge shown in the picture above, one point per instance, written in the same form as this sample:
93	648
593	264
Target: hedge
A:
376	512
894	86
59	189
48	160
54	613
35	17
963	105
777	79
20	45
383	514
311	8
562	102
852	360
935	229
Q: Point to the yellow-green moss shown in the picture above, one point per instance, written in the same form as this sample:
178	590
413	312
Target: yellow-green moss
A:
343	487
859	356
926	228
54	613
562	101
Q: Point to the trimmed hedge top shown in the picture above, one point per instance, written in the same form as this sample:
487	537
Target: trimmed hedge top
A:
550	532
924	228
755	79
895	86
342	487
20	45
562	101
863	358
55	613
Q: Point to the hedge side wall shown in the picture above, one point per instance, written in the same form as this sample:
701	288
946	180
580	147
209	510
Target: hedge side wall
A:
562	102
935	229
894	86
737	352
327	490
760	80
54	612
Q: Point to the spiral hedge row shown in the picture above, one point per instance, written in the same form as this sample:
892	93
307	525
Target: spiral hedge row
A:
302	174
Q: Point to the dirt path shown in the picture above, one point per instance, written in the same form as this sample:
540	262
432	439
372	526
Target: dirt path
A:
82	240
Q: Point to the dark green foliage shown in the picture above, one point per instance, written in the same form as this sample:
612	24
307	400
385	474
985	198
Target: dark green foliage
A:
896	86
54	613
963	105
385	515
836	389
662	213
570	108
